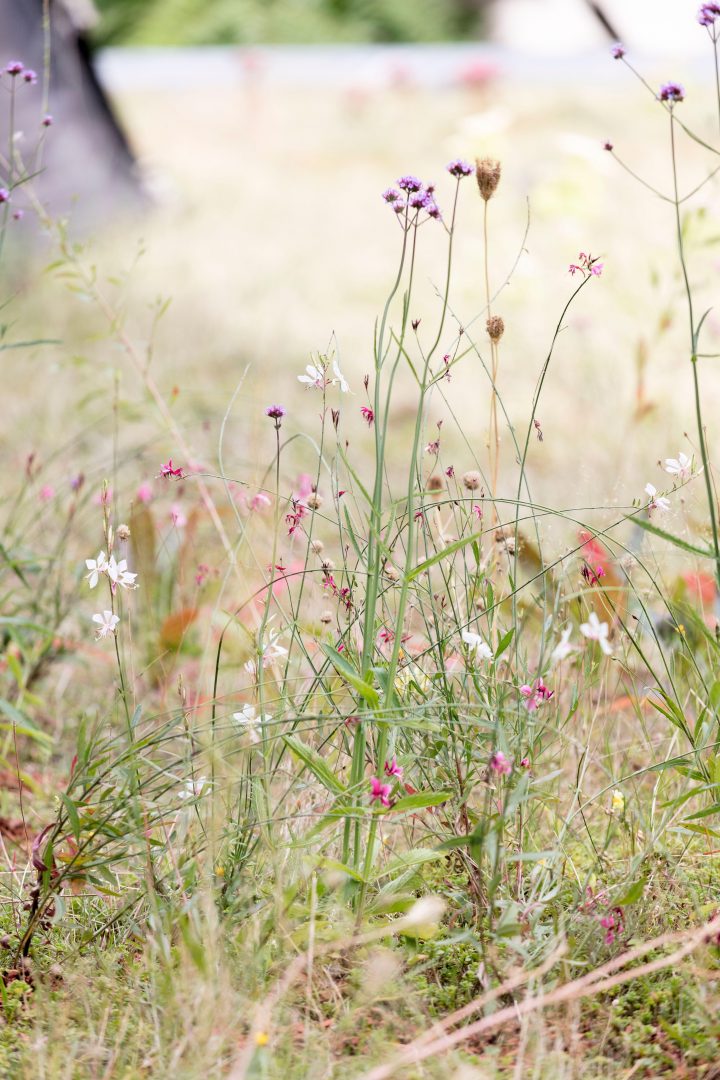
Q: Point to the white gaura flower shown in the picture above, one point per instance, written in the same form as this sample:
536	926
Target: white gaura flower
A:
119	573
477	645
106	623
657	502
251	721
681	466
598	631
563	647
192	789
96	567
340	378
315	376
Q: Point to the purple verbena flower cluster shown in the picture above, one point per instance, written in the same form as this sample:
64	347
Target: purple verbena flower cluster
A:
418	197
618	51
708	13
16	67
458	167
672	92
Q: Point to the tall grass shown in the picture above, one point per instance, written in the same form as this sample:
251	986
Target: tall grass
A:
377	703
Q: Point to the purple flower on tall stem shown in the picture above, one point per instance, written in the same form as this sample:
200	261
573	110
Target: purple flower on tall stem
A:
15	67
672	92
419	200
47	121
409	183
708	13
29	76
391	194
275	412
618	51
458	167
4	195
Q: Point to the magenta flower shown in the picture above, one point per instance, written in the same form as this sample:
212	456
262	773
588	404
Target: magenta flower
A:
4	195
167	471
399	207
47	121
618	51
15	67
391	194
368	415
500	764
608	146
672	92
380	791
708	13
29	76
525	763
275	412
393	769
144	493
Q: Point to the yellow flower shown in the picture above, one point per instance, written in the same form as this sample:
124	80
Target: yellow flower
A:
262	1038
618	801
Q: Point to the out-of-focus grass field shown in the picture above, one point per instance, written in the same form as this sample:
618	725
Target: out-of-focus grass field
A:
270	236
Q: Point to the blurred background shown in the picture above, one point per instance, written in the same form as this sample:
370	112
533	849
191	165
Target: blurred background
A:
227	157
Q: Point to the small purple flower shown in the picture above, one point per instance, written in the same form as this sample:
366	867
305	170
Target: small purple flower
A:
433	210
708	13
391	194
29	76
409	183
393	769
18	215
672	92
607	146
4	195
275	412
419	200
458	167
15	67
399	207
618	51
47	121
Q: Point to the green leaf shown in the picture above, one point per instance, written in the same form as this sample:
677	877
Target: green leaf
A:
421	800
409	860
449	550
633	894
648	526
316	764
707	812
351	675
73	817
21	723
504	642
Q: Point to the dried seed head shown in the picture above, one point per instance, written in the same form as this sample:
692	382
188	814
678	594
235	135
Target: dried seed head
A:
495	327
314	501
487	173
471	480
391	573
317	546
326	617
328	565
123	532
435	483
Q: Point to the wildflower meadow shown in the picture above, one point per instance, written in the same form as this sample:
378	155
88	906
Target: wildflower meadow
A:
368	725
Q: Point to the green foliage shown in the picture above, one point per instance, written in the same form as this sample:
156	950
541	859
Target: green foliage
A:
226	22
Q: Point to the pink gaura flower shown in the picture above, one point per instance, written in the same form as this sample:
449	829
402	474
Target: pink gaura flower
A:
380	791
47	492
177	516
368	415
393	769
144	493
477	511
500	764
261	501
536	695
